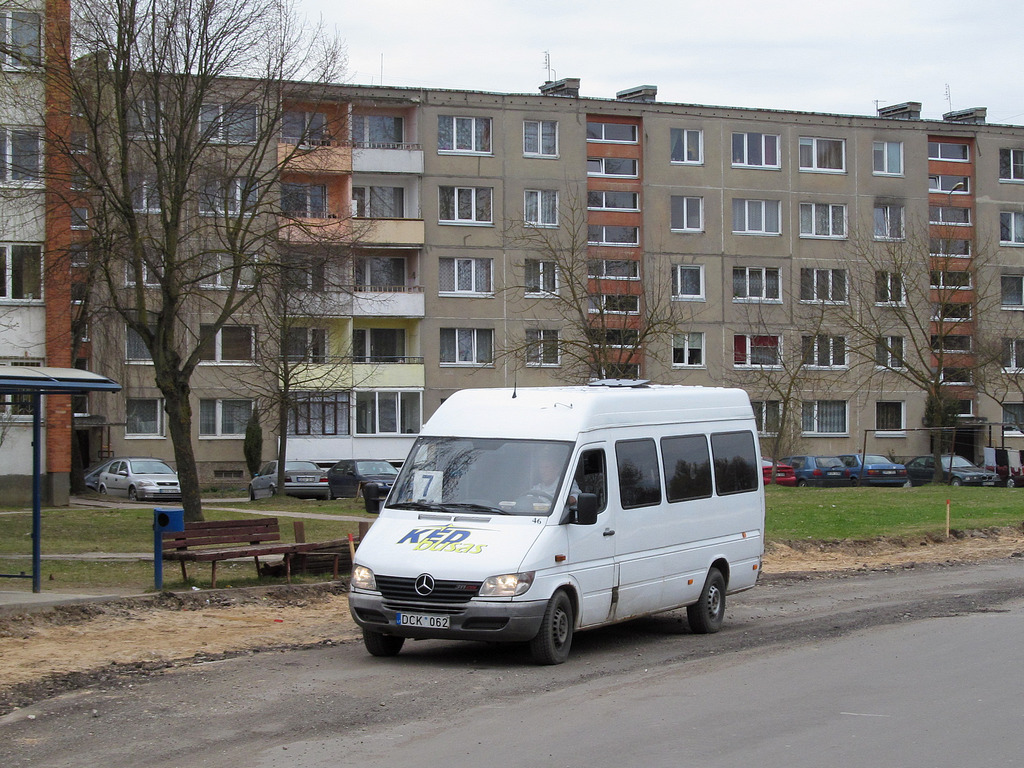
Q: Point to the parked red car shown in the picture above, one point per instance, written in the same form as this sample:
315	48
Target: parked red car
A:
784	474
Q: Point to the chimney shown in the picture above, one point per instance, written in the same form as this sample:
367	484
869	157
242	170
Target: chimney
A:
908	110
974	116
646	94
569	87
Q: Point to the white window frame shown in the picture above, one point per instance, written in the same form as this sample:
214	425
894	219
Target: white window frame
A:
598	166
218	347
534	130
474	338
812	219
1014	163
7	272
689	203
149	278
937	151
466	276
227	196
814	347
599	304
311	208
749	348
1014	362
1015	306
9	174
830	276
159	432
8	60
682	137
135	350
1011	222
145	194
687	342
603	140
477	139
815	144
603	230
604	200
314	342
885	432
765	139
938	317
79	218
401	399
218	123
936	215
816	418
762	411
887	211
540	341
540	207
881	151
1013	418
477	197
751	211
945	184
941	283
888	284
762	297
634	268
890	352
218	414
546	272
219	267
677	282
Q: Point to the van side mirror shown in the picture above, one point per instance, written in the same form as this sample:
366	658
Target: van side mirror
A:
371	498
586	509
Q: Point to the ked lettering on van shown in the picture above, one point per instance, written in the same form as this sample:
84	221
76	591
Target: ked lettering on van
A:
442	539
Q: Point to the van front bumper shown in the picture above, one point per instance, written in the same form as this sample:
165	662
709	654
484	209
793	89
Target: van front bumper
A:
475	620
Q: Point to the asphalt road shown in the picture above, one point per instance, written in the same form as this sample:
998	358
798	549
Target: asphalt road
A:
913	668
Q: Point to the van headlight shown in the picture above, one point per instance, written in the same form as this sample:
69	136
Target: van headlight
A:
507	585
362	578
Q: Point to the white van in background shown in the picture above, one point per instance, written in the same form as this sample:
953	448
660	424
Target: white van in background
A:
526	515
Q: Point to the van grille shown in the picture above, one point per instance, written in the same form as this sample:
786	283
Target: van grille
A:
445	592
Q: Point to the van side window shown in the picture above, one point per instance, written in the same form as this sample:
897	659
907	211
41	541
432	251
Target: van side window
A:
736	468
639	481
591	476
687	467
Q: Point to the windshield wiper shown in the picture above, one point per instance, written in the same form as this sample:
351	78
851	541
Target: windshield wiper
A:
472	507
449	507
421	506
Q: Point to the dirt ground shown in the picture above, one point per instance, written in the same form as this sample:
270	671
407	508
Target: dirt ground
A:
54	650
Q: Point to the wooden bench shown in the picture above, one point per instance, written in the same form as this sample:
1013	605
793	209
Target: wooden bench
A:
216	540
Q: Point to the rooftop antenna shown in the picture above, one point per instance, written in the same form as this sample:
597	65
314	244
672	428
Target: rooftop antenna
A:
949	98
382	69
547	66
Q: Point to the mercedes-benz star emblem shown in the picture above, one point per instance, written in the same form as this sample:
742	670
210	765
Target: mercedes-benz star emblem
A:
424	584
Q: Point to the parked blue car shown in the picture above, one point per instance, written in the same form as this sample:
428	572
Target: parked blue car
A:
872	469
817	470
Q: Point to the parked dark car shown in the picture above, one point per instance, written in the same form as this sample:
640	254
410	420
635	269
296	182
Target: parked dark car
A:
139	479
348	475
784	474
922	470
817	470
872	469
301	478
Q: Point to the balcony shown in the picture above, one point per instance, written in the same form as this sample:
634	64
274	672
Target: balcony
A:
389	372
387	301
391	231
315	230
337	372
329	157
399	157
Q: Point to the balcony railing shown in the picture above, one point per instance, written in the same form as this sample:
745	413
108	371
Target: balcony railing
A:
358	288
387	145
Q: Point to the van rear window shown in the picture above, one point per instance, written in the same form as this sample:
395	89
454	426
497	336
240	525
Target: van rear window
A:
639	480
736	468
687	467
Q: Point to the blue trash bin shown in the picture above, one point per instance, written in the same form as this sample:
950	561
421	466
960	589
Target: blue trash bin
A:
164	519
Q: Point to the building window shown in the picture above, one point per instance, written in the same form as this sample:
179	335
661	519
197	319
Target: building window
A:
687	214
889	290
613	269
1011	164
940	246
949	215
540	138
135	349
306	345
144	417
382	274
822	220
621	338
827	155
687	146
950	280
542	347
464	276
612	235
755	150
19	154
377	131
953	185
1012	291
230	344
540	207
387	413
688	282
889	416
615	304
823	285
1013	413
889	353
612	166
224	418
941	150
79	218
305	129
768	416
541	277
951	312
1011	228
304	201
606	200
150	275
220	272
464	205
21	272
954	375
463	135
952	342
318	414
228	196
20	40
229	123
751	351
145	193
378	345
688	350
756	217
378	202
1013	355
888	222
824	351
467	346
824	417
756	284
617	133
888	158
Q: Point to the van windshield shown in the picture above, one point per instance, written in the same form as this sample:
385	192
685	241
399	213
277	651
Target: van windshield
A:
486	475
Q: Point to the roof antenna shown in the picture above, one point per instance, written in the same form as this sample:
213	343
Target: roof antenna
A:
515	385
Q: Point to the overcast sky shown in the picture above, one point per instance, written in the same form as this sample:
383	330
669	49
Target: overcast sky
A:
806	55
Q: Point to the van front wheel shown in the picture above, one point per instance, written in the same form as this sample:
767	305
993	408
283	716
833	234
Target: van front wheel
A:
552	643
705	616
379	644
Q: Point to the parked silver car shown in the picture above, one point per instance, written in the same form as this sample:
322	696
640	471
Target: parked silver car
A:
139	479
301	478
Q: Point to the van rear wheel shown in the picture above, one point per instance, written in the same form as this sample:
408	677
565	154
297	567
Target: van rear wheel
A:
552	643
379	644
706	615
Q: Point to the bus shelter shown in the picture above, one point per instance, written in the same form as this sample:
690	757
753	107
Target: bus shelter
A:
32	383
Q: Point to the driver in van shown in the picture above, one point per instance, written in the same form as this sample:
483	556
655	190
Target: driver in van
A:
549	473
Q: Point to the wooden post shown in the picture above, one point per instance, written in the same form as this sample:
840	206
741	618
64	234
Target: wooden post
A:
947	518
